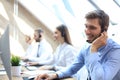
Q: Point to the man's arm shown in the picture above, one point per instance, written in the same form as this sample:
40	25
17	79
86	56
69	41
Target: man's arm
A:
103	65
104	70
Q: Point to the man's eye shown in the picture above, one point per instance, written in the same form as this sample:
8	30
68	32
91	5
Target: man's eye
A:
92	27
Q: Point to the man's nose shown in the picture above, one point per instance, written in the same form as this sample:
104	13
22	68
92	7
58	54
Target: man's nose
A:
87	31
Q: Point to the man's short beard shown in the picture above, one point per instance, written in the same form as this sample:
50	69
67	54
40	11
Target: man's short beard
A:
37	40
90	41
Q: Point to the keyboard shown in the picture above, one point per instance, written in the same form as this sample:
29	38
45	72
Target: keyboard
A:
31	68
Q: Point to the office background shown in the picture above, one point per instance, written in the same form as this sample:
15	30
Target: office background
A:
23	16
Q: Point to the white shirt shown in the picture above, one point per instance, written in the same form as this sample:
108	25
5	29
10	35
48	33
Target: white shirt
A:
64	55
44	52
29	49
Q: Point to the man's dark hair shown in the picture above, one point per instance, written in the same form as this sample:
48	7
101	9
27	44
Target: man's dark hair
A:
39	30
102	16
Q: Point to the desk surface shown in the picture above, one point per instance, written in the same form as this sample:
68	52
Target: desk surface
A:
4	77
20	78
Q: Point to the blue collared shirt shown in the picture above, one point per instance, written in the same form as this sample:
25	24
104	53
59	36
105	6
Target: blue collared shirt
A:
102	65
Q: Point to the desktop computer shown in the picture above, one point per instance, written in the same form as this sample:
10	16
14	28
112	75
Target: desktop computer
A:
5	52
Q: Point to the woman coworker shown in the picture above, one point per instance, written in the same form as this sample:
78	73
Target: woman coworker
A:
30	42
65	52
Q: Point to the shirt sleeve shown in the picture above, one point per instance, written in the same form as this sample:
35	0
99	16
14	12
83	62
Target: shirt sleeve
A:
104	69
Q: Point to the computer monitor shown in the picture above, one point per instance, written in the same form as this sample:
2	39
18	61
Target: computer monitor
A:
5	52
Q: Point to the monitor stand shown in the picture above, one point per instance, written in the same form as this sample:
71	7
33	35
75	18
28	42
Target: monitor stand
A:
0	59
2	69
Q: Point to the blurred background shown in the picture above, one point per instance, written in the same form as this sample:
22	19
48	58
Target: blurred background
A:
23	16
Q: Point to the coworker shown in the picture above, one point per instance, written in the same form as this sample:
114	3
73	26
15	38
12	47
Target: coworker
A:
28	39
101	55
42	52
65	52
30	42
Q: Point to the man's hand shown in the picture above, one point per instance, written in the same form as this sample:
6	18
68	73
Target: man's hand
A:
32	63
99	42
45	67
46	76
24	58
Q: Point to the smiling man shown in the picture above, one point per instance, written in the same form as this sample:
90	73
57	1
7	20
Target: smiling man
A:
100	55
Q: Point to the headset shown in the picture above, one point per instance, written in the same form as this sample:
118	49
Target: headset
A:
100	13
63	31
103	28
39	35
40	31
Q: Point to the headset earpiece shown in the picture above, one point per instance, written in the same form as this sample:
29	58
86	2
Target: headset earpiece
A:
102	21
63	34
63	31
39	36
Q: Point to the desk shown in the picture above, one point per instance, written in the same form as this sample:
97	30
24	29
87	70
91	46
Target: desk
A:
13	78
4	77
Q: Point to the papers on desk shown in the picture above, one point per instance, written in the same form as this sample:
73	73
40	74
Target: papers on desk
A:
36	72
2	69
2	73
31	68
23	63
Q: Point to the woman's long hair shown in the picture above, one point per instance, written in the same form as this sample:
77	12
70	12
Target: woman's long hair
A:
64	33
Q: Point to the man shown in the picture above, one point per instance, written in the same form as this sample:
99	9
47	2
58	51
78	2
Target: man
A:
101	55
42	52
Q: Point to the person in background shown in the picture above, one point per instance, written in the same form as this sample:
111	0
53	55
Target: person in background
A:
42	51
100	55
30	41
31	45
64	53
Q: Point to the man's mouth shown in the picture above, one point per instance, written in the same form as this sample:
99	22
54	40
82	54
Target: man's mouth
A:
90	39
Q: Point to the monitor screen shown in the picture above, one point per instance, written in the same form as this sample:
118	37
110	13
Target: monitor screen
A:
5	51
